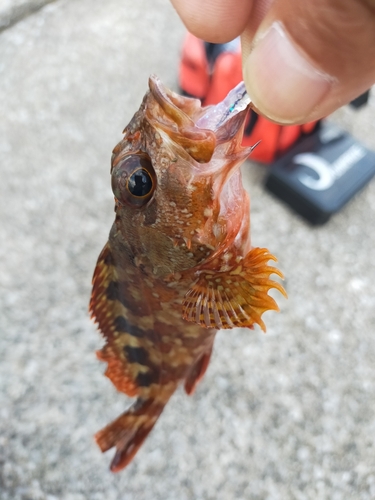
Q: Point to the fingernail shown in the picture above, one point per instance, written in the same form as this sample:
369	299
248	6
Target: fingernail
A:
282	83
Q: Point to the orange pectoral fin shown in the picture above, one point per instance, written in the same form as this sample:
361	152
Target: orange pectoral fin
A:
237	297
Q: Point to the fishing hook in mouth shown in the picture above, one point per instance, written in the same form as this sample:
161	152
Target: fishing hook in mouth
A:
215	116
241	97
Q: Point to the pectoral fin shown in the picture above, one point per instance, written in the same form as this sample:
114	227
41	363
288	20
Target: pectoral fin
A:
234	298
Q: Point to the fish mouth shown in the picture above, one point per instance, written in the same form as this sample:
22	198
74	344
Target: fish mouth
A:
198	130
217	116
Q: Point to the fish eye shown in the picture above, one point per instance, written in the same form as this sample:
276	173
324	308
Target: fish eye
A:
140	183
134	180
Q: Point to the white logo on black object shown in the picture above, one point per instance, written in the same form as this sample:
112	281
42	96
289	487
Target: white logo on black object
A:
327	172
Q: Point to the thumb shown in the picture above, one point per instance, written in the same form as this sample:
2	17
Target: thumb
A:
309	58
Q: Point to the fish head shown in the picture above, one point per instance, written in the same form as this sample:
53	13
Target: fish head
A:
176	178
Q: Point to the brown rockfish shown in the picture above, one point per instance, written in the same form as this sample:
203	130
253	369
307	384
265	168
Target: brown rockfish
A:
179	264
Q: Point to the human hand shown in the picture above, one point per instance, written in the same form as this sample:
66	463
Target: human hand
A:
301	60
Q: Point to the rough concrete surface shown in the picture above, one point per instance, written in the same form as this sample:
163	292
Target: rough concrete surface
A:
286	415
12	11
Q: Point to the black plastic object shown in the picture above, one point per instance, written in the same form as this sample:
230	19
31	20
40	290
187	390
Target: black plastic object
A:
361	100
321	173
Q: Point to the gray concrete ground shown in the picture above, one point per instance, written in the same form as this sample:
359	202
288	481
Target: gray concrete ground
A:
287	415
12	11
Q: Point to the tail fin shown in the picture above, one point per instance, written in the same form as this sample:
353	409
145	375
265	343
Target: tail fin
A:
129	431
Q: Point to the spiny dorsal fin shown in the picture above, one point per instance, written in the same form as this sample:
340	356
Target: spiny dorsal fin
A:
133	364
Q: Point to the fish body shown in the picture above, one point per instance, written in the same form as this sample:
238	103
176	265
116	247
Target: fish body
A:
178	264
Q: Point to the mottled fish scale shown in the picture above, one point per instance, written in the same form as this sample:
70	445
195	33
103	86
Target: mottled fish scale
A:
179	263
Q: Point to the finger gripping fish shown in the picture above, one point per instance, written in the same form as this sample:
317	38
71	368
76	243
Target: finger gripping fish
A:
178	264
